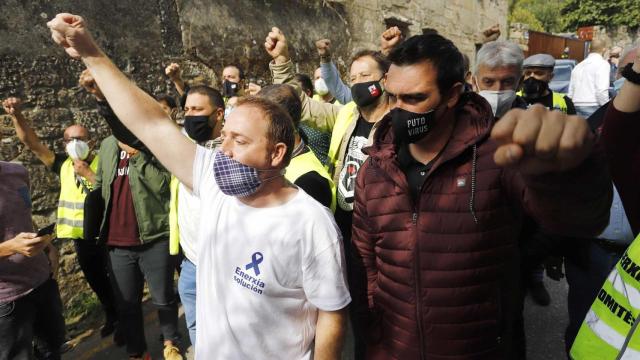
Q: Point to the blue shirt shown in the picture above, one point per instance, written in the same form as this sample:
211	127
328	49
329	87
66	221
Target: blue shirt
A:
619	229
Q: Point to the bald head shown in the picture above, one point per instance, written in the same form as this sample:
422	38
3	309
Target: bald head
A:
598	46
76	131
628	56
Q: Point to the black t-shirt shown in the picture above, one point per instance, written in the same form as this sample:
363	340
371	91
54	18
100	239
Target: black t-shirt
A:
353	160
58	160
315	185
547	101
415	171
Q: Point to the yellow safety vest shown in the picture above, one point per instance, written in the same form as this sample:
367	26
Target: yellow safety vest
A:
610	329
174	229
71	201
317	97
343	120
559	103
308	162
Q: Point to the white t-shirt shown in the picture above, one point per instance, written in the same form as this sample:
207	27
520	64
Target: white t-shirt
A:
189	222
263	273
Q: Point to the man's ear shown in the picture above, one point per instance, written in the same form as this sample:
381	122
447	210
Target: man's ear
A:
278	154
454	94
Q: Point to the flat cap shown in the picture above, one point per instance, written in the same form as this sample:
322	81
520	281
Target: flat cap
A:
539	60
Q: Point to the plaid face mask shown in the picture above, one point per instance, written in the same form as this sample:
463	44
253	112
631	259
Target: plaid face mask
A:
236	179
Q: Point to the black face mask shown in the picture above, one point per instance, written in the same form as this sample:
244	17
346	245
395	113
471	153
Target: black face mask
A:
533	88
409	127
230	89
366	93
198	128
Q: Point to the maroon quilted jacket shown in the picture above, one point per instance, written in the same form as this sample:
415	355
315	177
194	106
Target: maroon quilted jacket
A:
441	274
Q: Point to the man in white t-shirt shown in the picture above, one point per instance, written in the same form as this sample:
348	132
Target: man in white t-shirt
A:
270	279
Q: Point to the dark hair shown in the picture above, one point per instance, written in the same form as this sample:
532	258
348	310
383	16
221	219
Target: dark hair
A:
437	50
466	63
305	82
215	98
167	99
381	60
240	71
285	96
281	129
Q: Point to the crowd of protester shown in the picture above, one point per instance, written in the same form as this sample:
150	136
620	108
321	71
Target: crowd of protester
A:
408	211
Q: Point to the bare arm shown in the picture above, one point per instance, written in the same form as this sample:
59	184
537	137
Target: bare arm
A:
330	330
26	134
138	111
628	99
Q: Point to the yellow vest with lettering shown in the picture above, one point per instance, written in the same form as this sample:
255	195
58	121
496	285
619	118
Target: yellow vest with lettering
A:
559	103
71	201
610	329
305	163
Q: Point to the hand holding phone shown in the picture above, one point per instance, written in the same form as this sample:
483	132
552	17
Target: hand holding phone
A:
47	230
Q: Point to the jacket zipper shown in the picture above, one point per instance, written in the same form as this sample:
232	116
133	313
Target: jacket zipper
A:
414	219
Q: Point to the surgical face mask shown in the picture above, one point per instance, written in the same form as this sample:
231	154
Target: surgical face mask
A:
409	127
321	87
500	101
366	93
533	88
77	149
236	179
230	89
198	128
617	85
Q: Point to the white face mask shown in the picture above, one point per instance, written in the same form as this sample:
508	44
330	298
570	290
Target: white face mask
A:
500	101
77	149
321	87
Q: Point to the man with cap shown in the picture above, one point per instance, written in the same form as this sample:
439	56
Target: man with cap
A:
537	73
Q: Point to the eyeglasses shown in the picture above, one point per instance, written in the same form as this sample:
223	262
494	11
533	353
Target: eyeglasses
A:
68	140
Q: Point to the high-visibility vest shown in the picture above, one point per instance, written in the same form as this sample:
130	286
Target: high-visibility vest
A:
559	103
308	162
174	229
343	120
610	329
71	202
317	97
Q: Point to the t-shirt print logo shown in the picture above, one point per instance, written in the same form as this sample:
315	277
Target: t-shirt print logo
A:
373	90
256	259
242	278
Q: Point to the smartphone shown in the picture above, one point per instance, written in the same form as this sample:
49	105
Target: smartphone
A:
47	230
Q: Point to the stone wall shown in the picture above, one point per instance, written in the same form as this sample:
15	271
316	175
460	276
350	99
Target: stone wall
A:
143	36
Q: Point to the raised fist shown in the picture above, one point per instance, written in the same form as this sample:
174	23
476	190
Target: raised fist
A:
390	38
173	72
253	89
70	31
324	47
89	84
12	105
538	141
276	45
490	34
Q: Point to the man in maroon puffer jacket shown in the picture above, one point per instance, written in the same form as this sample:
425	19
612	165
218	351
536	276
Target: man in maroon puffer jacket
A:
439	205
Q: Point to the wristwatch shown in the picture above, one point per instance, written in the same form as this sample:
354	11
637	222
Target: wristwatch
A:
631	75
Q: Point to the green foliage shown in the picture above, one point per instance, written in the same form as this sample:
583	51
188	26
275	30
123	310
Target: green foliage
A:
578	13
540	15
520	15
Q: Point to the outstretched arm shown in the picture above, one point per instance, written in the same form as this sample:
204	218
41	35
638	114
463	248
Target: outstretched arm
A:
138	111
26	134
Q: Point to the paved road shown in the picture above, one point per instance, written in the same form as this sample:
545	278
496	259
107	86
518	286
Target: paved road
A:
544	326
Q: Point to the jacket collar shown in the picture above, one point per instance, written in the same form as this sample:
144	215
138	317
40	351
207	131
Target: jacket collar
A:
474	120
